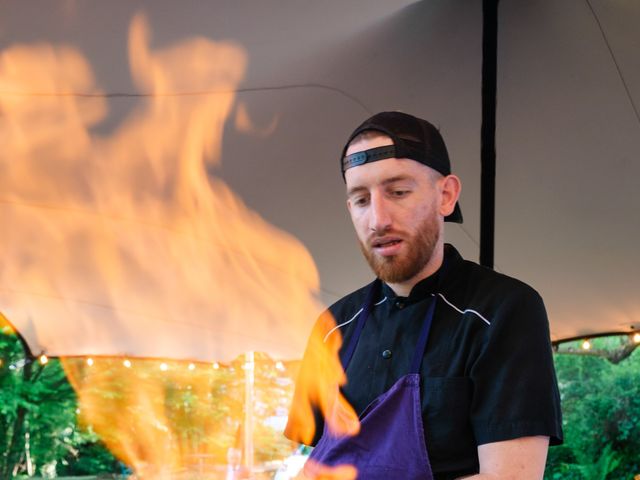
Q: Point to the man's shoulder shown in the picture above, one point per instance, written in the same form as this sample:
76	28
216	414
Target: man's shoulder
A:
341	313
351	301
476	279
493	294
487	279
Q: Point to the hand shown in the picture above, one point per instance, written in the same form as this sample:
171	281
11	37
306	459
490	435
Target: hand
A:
316	471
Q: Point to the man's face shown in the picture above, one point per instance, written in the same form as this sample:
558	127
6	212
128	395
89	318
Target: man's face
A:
394	207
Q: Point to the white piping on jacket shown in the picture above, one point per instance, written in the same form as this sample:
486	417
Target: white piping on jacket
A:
468	310
463	311
350	320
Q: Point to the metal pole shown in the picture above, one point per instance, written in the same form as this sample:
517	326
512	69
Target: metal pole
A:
249	377
488	133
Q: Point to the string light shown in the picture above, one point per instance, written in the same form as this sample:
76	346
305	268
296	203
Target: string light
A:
586	345
192	366
636	337
126	363
43	359
280	366
90	361
164	367
216	365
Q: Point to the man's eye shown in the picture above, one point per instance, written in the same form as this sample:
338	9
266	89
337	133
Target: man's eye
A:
360	201
399	193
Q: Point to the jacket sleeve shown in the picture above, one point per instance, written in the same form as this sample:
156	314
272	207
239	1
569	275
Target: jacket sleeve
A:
515	391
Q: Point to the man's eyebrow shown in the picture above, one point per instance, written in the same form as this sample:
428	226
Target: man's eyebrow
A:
354	190
384	183
397	178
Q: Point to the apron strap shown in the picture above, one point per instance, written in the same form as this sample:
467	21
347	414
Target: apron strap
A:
421	346
345	358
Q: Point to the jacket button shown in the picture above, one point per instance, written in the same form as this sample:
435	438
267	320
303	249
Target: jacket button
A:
399	304
386	354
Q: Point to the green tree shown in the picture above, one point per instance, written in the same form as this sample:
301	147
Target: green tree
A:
38	414
601	415
36	409
203	407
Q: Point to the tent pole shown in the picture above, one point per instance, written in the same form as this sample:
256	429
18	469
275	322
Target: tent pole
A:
488	132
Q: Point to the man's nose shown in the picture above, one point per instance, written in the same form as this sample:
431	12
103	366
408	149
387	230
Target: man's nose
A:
380	215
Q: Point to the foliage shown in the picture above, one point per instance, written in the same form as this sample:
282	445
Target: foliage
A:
601	417
40	428
37	411
87	456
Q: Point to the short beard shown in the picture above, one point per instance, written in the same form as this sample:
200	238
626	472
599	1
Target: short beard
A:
396	269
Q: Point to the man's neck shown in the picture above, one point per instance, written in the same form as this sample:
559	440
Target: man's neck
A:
403	289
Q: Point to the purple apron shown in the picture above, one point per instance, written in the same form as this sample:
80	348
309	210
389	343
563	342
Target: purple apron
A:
390	443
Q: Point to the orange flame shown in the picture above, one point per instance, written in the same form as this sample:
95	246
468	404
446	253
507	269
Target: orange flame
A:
125	244
317	388
160	417
128	234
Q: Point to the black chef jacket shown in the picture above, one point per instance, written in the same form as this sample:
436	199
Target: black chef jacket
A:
487	374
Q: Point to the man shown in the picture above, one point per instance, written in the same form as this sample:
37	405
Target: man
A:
448	364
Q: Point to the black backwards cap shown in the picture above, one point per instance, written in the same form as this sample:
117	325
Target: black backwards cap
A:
412	137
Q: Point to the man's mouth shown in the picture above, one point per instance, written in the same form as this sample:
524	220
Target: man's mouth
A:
386	246
386	243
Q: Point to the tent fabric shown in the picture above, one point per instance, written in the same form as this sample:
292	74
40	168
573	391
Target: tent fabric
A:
568	140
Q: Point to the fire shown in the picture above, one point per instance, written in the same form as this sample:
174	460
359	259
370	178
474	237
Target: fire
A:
125	244
158	420
128	234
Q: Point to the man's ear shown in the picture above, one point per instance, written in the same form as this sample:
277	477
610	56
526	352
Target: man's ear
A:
450	190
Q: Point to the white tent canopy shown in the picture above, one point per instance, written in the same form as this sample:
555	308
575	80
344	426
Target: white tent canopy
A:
568	141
